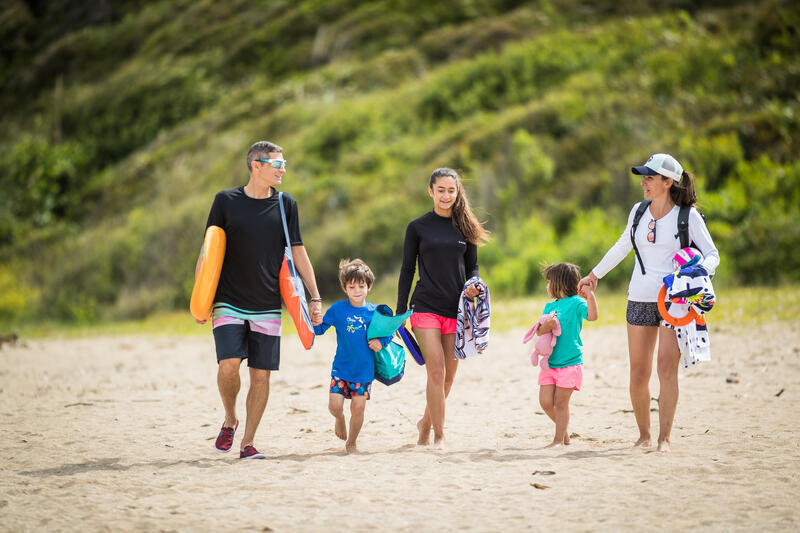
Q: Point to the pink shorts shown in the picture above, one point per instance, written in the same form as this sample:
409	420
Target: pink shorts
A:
433	321
568	377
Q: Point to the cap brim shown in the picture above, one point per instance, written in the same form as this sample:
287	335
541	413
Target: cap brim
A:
643	171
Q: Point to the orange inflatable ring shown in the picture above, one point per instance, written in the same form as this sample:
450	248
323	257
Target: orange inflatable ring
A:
207	278
662	308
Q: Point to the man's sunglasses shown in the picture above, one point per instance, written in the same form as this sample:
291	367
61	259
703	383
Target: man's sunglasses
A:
274	163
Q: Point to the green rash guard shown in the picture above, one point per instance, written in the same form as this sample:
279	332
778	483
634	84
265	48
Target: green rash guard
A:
571	312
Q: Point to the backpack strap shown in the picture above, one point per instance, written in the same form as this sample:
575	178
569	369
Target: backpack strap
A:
683	225
636	218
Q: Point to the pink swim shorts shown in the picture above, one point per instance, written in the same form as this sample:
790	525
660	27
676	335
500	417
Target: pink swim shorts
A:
433	321
568	377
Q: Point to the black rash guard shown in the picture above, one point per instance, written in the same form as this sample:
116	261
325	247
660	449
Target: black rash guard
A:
254	247
446	262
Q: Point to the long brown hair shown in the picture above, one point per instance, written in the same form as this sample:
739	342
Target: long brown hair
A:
464	219
682	192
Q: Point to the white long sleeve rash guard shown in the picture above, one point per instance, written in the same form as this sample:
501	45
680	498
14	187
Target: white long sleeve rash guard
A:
657	256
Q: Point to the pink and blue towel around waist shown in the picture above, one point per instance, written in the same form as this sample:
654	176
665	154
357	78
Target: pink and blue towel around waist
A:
265	322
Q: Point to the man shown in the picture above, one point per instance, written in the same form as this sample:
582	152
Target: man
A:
247	305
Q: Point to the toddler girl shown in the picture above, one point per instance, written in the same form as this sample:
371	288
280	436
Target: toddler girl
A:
564	370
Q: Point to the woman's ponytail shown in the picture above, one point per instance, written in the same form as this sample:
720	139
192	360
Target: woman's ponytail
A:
682	192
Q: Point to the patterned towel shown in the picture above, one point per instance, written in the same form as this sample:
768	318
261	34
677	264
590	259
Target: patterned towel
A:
694	343
472	323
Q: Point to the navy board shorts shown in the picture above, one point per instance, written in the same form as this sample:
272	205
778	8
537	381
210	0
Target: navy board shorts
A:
258	341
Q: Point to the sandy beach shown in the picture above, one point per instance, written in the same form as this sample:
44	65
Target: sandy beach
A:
115	434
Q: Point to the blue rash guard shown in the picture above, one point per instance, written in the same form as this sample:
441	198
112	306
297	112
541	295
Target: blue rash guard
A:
354	361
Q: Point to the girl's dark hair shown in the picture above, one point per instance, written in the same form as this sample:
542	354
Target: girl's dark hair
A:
463	218
563	278
682	192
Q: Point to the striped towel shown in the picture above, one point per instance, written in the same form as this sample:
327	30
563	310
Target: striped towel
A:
472	323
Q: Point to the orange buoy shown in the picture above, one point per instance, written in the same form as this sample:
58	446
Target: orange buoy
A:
207	278
662	308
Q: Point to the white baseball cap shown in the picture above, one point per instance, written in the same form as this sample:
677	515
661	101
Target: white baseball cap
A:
663	164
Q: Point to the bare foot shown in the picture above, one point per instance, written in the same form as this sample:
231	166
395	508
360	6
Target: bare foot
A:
350	447
663	446
438	443
566	439
424	434
554	444
643	442
340	428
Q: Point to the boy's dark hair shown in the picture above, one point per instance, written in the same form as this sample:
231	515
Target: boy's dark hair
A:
355	270
261	150
563	278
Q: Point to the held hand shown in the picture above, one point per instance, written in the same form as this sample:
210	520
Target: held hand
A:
472	291
375	345
315	310
590	281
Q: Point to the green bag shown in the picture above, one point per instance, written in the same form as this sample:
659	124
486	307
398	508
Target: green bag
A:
384	323
390	362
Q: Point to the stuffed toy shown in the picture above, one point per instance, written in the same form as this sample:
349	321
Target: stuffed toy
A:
545	343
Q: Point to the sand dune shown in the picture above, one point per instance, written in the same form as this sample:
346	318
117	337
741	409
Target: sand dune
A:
115	434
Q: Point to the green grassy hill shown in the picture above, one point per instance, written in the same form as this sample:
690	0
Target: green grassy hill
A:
122	122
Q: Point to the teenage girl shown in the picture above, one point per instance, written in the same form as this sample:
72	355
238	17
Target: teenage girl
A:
443	242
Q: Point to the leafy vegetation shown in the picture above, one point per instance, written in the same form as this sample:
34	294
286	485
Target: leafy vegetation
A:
122	122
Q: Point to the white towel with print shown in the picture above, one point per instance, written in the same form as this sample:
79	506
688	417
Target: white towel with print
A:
693	341
473	321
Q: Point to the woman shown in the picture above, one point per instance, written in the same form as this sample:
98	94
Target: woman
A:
444	241
668	188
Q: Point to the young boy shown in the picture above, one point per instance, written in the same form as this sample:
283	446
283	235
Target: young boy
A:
354	364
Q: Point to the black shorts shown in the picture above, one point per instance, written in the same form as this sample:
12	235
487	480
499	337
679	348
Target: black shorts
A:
643	314
238	340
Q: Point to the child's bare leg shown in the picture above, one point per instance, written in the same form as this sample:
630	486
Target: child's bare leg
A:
546	398
357	406
561	407
336	407
547	395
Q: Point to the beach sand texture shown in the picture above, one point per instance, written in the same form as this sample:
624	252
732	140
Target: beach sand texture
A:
116	434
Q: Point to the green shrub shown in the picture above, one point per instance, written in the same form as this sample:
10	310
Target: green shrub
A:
108	174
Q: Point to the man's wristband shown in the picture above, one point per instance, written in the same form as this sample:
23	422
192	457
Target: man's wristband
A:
316	300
